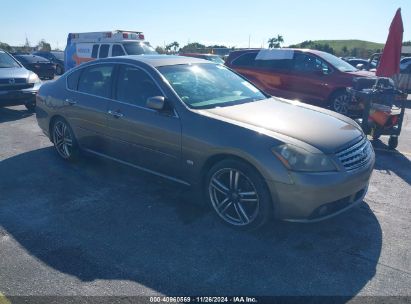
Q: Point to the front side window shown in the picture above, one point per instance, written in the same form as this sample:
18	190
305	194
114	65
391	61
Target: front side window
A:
96	80
309	64
134	86
117	50
72	80
104	51
207	85
6	61
245	60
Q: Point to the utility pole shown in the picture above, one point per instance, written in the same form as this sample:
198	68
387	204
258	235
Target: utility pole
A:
249	41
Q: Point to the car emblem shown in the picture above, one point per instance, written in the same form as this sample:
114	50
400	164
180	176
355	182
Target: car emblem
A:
12	81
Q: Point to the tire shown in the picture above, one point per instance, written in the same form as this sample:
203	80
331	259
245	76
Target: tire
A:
30	107
64	140
238	194
339	102
393	142
59	70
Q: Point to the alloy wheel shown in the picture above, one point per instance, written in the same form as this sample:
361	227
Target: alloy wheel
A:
340	104
63	140
234	197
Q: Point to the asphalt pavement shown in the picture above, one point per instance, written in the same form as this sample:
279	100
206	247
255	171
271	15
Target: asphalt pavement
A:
99	228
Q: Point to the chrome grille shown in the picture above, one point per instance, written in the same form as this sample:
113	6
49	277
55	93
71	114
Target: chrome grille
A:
357	155
10	84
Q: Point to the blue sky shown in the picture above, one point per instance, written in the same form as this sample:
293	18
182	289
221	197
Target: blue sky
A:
210	22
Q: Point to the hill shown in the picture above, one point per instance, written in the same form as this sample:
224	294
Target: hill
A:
351	44
352	47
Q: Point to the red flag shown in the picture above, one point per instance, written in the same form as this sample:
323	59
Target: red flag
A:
390	58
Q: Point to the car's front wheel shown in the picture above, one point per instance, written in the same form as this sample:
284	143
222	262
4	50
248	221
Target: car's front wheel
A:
30	107
340	102
64	140
59	70
238	194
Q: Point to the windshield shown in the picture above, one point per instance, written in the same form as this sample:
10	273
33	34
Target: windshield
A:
138	48
207	85
338	63
6	61
58	55
216	59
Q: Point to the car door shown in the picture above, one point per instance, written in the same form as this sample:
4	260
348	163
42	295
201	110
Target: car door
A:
309	78
144	137
86	104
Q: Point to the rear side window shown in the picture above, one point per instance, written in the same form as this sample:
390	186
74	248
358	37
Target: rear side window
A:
278	64
117	50
72	80
134	86
104	50
246	60
94	52
96	80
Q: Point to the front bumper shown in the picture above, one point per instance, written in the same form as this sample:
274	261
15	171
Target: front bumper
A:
318	196
18	97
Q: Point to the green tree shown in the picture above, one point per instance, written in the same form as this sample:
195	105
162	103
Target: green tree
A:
344	50
193	47
43	46
160	50
5	47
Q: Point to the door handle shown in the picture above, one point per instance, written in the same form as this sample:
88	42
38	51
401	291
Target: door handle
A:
115	114
71	101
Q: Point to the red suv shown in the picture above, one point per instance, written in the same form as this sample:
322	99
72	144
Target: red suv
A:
311	76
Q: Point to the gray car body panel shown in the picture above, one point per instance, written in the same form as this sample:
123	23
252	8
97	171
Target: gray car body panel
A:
189	141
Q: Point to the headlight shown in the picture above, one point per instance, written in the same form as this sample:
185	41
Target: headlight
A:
298	159
33	78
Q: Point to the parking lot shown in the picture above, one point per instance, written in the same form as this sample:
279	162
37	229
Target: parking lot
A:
98	228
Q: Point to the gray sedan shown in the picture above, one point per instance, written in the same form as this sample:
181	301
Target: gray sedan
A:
251	156
18	86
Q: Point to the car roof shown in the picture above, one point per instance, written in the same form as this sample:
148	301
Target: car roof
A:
159	60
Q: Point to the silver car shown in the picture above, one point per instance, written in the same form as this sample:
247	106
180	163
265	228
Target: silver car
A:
250	155
18	86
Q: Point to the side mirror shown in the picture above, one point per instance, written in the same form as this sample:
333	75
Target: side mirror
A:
321	72
156	103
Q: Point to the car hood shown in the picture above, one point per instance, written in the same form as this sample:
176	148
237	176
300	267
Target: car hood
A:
323	129
14	73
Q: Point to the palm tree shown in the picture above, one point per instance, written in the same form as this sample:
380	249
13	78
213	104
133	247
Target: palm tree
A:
275	42
280	39
175	46
272	43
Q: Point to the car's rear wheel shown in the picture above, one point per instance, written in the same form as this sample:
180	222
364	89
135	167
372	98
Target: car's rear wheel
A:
59	70
340	102
238	195
64	140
